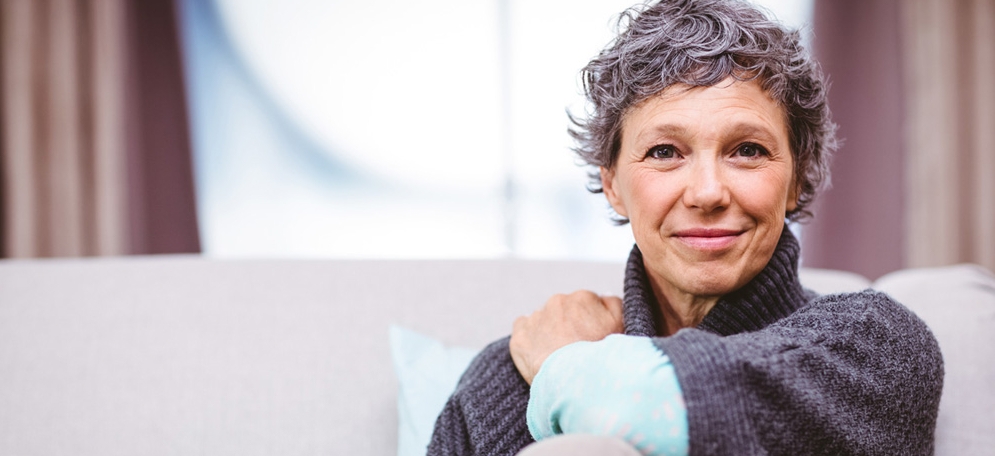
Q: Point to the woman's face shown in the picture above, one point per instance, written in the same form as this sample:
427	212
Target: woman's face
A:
705	176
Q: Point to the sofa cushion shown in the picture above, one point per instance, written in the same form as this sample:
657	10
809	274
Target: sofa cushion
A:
958	304
427	373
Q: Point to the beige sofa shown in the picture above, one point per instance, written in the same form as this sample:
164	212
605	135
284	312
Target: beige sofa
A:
184	355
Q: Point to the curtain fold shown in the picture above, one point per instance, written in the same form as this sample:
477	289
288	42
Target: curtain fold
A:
914	182
90	90
162	207
949	54
858	223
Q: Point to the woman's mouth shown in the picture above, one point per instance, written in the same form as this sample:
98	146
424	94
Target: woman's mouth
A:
708	239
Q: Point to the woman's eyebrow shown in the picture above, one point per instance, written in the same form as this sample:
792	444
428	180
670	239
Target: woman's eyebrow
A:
753	130
738	130
656	131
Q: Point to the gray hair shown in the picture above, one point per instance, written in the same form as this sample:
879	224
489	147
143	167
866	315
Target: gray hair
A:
701	43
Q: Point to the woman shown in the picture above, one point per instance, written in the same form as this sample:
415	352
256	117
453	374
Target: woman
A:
709	128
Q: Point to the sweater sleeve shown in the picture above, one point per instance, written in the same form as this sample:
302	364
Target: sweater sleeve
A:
621	386
846	374
486	413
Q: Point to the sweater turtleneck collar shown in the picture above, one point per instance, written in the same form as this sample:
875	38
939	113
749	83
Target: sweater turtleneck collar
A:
773	294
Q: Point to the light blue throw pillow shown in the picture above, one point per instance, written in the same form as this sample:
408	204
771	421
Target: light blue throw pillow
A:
427	373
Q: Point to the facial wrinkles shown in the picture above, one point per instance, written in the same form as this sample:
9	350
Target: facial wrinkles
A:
705	129
714	136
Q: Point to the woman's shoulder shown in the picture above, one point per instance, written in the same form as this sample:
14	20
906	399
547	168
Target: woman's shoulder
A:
869	320
868	306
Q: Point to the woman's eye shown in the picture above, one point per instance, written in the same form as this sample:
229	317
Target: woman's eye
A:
662	152
750	150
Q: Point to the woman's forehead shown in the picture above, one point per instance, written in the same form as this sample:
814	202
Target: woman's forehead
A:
731	106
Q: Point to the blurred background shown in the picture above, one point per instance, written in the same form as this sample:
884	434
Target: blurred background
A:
437	129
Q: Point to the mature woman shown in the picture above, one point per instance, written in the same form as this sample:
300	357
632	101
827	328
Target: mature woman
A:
709	128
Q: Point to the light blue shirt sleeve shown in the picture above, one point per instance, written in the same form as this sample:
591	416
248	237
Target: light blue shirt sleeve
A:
622	386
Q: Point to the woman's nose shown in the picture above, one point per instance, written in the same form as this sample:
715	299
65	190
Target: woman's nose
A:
705	188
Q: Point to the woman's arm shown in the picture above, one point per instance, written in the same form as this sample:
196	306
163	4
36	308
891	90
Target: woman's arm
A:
847	374
622	386
486	413
587	381
851	373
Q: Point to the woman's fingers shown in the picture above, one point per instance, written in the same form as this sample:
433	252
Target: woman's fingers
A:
565	319
615	307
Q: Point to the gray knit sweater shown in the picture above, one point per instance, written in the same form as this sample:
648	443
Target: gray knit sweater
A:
772	369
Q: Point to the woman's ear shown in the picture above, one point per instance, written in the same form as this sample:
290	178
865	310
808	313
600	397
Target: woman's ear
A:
793	194
608	184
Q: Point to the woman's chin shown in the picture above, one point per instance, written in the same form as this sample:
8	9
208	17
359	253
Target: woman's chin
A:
709	279
712	266
708	287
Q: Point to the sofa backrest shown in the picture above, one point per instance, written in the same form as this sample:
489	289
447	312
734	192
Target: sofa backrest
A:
184	355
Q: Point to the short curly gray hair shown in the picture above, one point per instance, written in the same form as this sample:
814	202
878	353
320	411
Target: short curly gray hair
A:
701	43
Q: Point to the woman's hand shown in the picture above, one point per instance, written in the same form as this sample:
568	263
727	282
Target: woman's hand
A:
565	319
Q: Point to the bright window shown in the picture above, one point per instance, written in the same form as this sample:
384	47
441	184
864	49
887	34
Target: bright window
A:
397	129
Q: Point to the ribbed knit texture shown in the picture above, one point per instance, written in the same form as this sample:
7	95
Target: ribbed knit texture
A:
772	369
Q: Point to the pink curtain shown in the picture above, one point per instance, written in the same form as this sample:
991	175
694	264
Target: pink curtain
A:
95	154
858	222
949	53
914	182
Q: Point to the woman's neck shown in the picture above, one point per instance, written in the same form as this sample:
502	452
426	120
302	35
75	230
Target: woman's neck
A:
678	309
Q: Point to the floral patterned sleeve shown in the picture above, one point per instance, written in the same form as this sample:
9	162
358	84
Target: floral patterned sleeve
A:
622	386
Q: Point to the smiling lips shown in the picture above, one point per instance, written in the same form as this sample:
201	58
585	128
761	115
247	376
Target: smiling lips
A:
708	239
